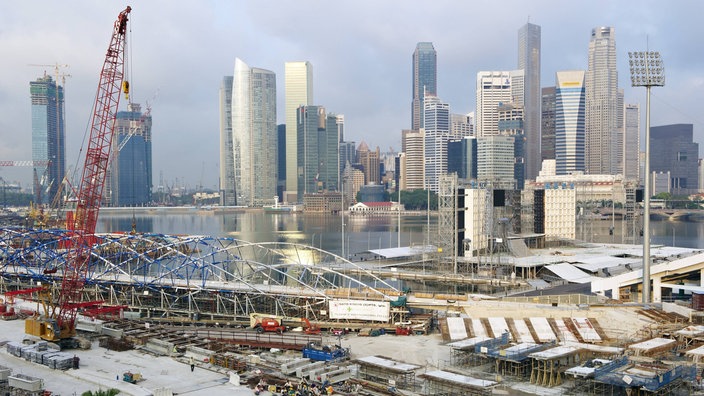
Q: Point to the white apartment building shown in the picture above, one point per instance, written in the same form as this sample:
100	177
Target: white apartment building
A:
412	160
560	212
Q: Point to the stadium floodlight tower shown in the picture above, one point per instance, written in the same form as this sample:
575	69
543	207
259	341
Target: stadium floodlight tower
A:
646	71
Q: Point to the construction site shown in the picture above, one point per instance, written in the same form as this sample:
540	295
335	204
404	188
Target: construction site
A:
284	312
83	311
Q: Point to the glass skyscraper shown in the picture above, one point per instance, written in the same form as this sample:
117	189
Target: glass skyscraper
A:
130	173
227	153
529	61
317	150
437	133
425	77
569	121
48	136
673	150
254	134
299	92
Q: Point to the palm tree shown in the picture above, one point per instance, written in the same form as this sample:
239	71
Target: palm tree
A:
101	392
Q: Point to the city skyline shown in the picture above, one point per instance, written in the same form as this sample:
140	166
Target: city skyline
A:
183	51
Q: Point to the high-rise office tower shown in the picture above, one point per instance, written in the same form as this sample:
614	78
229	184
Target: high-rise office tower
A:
529	61
631	141
547	124
254	134
511	123
425	77
437	133
602	104
48	135
461	125
493	88
130	175
348	154
281	156
227	153
317	151
340	123
370	163
298	78
412	161
672	149
462	157
570	101
495	160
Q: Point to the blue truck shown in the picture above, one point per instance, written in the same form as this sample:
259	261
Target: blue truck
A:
325	353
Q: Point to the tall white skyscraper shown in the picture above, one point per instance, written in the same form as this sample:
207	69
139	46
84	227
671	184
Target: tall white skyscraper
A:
529	62
299	92
602	105
254	134
493	88
227	153
569	122
412	161
631	141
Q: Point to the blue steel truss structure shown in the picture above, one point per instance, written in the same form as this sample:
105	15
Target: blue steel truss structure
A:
167	275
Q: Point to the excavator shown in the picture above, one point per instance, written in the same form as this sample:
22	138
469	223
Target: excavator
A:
58	323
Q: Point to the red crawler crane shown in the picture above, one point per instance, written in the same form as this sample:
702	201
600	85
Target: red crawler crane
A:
60	323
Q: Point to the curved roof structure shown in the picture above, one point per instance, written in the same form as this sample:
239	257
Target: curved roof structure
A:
155	262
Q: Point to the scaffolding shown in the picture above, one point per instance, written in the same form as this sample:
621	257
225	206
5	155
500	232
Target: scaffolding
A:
388	371
641	378
629	214
548	366
514	360
447	217
462	352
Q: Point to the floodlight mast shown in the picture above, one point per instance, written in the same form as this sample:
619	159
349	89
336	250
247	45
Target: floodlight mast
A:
646	71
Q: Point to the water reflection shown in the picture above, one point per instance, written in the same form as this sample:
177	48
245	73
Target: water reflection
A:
361	232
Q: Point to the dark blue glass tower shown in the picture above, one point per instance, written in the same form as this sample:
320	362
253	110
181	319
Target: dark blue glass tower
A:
48	136
425	78
131	170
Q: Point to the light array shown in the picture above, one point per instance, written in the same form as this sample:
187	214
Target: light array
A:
647	69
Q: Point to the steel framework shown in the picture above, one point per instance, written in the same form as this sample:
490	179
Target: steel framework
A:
447	219
164	275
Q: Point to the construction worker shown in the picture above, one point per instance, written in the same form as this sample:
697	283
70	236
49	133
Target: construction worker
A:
193	364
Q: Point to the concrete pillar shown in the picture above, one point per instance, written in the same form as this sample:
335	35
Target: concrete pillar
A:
701	277
615	294
657	288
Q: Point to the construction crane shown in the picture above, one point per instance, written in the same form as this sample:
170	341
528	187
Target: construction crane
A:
60	323
37	180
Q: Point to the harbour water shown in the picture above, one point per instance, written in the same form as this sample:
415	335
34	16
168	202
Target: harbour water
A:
361	233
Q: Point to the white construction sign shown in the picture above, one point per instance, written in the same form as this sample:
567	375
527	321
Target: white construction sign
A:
360	310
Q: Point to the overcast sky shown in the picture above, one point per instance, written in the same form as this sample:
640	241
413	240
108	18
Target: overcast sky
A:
360	50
